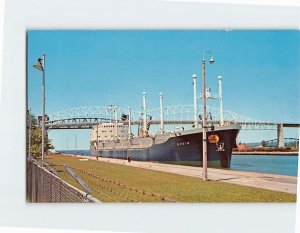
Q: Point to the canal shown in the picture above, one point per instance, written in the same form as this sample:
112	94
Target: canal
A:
273	164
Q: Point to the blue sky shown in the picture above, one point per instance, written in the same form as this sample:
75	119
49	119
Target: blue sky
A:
260	70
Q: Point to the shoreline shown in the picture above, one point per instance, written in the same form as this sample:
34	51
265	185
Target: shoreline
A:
273	182
274	153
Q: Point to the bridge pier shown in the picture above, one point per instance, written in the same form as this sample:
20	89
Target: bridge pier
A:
280	138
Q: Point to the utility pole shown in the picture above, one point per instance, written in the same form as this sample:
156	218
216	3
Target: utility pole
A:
43	114
204	147
41	65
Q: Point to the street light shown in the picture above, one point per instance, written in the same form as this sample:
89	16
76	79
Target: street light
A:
41	67
204	149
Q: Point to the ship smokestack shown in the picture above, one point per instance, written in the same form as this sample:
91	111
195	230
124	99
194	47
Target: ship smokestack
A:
195	102
161	113
221	100
145	115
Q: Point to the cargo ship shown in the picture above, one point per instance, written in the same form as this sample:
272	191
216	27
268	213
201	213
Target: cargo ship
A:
114	139
170	147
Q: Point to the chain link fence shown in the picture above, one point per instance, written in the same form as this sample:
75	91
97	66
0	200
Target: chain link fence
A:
45	187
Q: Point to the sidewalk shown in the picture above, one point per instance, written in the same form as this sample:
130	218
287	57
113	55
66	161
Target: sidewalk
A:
281	183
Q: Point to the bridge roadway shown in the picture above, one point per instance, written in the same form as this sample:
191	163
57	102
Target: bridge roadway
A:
88	123
281	183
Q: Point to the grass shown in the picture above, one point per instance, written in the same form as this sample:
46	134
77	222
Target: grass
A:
121	183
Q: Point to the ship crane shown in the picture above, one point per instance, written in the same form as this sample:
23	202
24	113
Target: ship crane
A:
141	131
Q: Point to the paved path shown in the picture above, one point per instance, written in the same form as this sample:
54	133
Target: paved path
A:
281	183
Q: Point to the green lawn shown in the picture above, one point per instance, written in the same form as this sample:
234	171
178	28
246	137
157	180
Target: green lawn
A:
120	183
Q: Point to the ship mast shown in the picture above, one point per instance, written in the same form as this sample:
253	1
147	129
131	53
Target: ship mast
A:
221	101
195	102
161	113
97	137
145	115
116	122
129	122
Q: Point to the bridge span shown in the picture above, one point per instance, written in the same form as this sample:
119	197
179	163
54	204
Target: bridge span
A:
87	117
88	123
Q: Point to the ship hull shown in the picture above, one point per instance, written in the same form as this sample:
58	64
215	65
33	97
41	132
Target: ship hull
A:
184	148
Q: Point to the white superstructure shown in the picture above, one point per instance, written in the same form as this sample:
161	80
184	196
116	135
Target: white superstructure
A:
105	132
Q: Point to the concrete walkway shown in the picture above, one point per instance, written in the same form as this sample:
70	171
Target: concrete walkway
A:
281	183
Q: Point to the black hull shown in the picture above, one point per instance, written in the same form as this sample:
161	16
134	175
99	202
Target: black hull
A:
180	149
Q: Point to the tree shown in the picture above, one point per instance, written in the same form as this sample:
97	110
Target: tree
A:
263	143
34	131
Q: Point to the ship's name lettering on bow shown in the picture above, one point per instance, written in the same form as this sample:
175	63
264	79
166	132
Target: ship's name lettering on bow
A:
183	143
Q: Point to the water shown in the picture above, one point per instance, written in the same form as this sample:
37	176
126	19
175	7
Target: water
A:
77	152
279	164
273	164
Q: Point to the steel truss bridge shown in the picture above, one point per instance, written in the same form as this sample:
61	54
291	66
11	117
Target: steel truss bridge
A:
287	142
86	117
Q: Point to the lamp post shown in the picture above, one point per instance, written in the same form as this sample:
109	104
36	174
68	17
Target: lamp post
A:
41	67
204	148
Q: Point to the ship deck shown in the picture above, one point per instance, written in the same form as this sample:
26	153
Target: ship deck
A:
281	183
